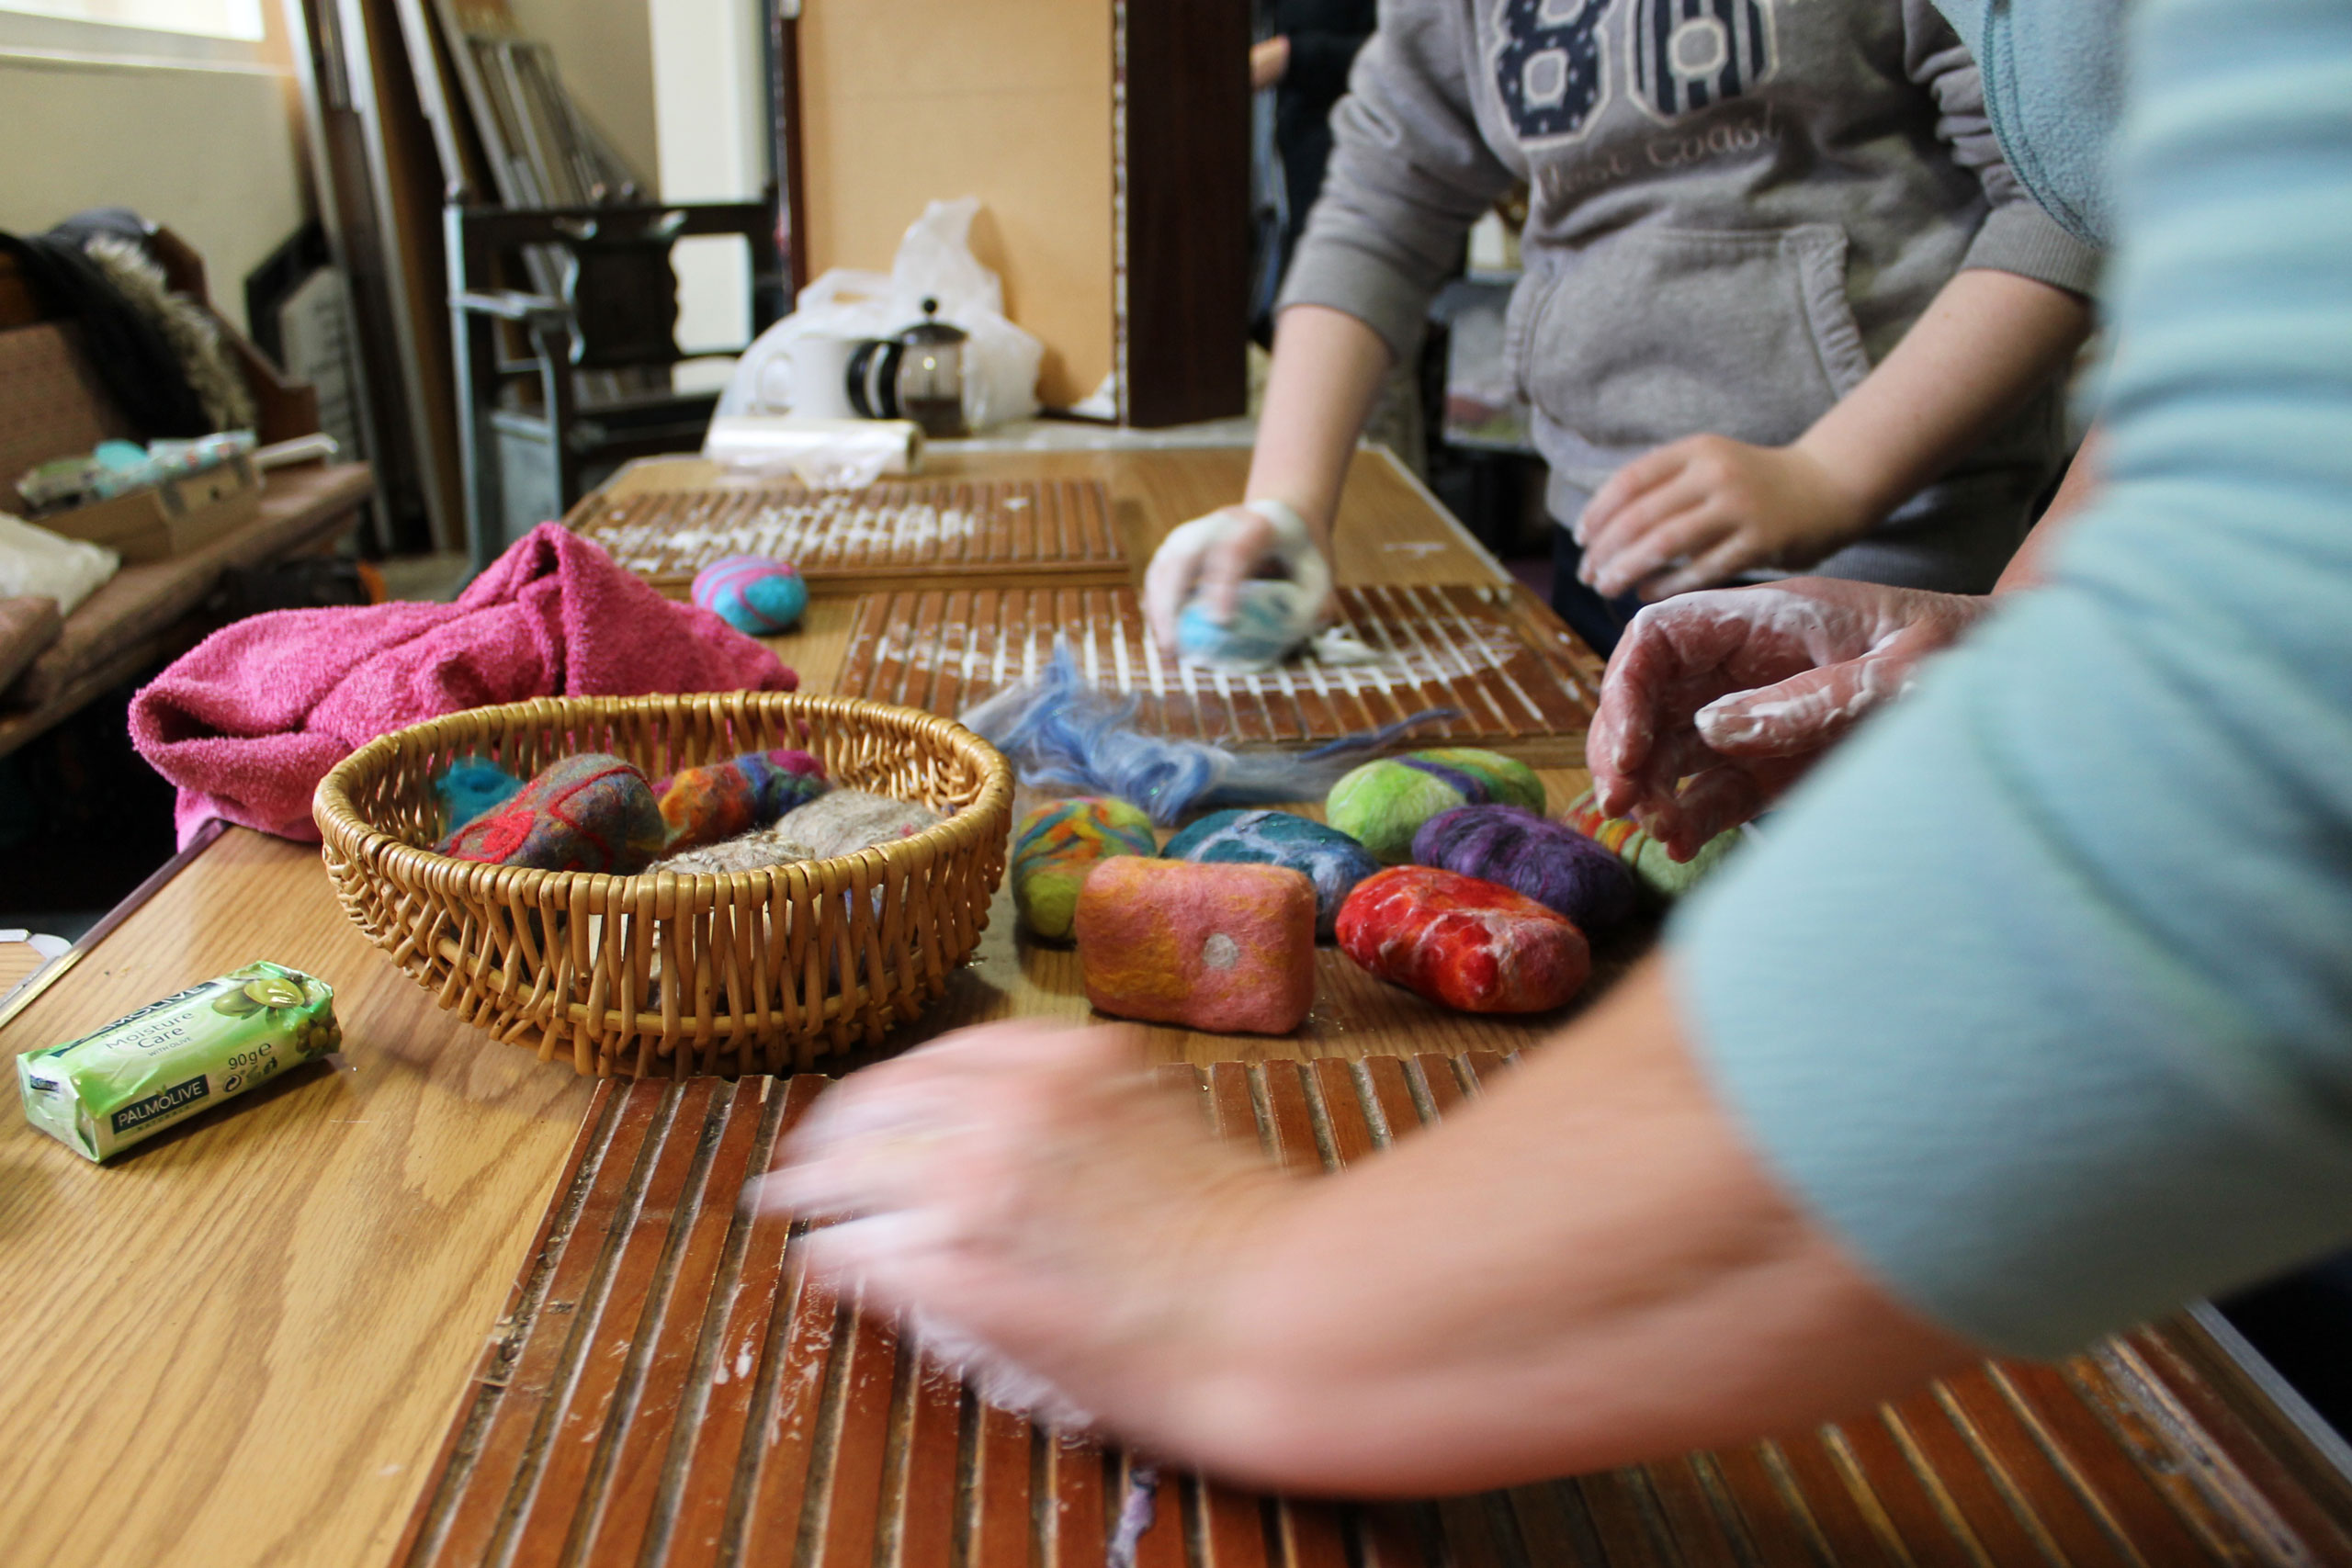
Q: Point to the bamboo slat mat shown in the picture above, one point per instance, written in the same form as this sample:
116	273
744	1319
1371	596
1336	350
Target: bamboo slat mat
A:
850	541
1487	650
668	1387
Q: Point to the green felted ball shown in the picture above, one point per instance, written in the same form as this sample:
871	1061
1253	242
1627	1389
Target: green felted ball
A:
1381	805
1058	843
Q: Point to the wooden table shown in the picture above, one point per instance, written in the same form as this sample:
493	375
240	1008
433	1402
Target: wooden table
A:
242	1343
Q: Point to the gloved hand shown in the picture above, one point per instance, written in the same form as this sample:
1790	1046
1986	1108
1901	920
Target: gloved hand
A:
1698	512
1214	555
1738	691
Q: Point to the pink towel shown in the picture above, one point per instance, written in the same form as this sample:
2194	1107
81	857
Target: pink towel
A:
249	721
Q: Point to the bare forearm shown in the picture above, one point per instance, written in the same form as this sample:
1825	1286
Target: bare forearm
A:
1327	369
1988	340
1585	1268
2026	568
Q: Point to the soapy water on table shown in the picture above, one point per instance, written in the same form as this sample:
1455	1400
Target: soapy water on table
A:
826	527
1125	658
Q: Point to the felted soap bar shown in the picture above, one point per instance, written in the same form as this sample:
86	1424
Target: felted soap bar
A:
723	800
1270	617
1225	948
1056	844
471	785
844	821
1557	866
1658	873
592	812
761	595
1471	945
1381	805
1332	859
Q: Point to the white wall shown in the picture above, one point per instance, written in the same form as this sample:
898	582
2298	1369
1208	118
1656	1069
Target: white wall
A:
711	127
209	152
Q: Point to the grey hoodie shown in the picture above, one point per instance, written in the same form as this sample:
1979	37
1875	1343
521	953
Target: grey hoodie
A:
1736	208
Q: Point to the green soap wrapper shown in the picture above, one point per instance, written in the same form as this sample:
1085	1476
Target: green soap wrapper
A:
173	1058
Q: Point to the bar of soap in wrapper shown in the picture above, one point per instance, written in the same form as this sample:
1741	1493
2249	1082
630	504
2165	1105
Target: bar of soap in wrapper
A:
173	1058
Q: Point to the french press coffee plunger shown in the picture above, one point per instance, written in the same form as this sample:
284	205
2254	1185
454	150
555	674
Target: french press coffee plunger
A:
917	374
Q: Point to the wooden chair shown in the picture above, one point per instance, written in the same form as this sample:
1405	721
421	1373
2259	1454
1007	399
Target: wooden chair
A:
590	389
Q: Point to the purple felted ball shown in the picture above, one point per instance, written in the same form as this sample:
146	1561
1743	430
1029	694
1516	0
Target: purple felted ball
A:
1556	866
757	594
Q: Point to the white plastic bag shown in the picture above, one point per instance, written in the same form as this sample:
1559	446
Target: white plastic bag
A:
34	560
934	262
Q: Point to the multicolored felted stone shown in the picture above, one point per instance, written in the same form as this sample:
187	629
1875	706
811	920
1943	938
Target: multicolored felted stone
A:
1056	844
1557	866
844	821
1381	805
758	594
1659	873
1227	948
723	800
586	812
1330	860
1471	945
469	786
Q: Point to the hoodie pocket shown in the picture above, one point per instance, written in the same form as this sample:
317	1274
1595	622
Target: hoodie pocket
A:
1652	335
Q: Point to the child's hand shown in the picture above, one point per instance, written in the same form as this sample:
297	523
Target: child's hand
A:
1699	512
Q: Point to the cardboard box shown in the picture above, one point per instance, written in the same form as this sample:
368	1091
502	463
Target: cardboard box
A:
170	519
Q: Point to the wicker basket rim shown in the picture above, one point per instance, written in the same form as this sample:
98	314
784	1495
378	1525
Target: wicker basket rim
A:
347	831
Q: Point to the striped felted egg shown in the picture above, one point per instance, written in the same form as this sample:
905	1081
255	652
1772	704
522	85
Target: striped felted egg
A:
1659	873
1556	866
1332	859
1381	805
1058	843
758	594
720	800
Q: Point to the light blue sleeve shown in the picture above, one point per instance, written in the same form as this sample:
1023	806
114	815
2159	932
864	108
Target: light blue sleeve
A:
2041	994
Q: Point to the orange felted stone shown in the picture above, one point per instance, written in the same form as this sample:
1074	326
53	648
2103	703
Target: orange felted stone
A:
1469	944
1224	948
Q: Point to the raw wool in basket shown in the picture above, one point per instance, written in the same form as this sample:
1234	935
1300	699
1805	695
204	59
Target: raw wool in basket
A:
1058	843
1557	866
722	800
1227	948
1060	733
1381	805
1660	874
1471	945
469	786
844	821
754	851
1329	858
590	812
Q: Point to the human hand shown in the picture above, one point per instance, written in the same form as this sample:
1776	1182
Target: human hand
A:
1029	1191
1698	512
1732	694
1269	61
1216	553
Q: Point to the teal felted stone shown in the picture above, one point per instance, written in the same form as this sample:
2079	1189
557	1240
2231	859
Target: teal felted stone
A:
1056	844
1381	805
760	595
471	785
592	812
1333	862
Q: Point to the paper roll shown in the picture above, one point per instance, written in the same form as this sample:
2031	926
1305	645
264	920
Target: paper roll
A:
823	454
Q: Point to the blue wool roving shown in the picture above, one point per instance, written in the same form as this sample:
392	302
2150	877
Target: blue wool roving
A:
758	594
1270	618
473	786
1062	734
1332	859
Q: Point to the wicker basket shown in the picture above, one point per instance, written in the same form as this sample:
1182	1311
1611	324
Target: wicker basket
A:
666	975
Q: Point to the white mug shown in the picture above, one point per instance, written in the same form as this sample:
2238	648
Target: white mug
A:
819	375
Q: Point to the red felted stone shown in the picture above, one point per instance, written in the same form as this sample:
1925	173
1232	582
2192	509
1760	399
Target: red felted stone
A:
1225	948
1471	945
